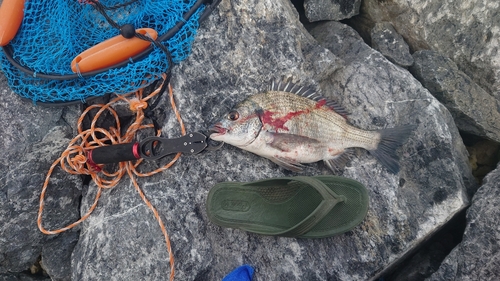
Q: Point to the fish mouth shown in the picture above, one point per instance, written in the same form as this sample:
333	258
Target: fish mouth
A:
217	130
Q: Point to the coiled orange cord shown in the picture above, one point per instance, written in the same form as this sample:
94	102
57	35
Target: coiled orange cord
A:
73	160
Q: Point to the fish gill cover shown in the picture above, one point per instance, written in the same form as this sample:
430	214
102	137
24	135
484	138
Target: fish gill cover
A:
53	33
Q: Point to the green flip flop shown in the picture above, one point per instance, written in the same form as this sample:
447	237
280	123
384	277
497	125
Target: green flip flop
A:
306	207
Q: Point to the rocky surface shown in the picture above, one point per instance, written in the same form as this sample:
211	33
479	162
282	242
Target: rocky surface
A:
389	43
468	32
237	51
318	10
428	257
31	138
477	256
475	111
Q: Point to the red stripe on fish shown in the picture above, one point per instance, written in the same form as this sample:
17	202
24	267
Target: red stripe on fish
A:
320	103
266	117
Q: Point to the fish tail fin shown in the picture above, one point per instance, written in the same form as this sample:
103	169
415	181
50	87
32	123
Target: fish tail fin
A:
390	140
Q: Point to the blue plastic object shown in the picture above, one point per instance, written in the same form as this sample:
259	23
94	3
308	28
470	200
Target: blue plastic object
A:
54	32
242	273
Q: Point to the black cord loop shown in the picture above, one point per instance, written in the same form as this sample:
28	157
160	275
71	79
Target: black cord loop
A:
128	30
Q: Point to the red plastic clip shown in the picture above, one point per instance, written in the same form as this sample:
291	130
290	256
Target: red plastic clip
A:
91	163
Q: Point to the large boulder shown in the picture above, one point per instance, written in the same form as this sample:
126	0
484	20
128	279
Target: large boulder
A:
474	110
237	51
478	255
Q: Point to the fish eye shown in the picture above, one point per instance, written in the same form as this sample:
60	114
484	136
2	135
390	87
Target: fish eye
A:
233	115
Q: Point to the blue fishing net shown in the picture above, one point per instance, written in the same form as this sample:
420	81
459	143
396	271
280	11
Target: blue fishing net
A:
53	33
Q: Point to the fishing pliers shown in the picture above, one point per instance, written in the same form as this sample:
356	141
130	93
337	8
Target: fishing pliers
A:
151	148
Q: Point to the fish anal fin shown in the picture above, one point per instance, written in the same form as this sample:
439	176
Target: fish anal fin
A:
338	163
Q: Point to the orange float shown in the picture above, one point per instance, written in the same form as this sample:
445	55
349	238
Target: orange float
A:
111	52
11	16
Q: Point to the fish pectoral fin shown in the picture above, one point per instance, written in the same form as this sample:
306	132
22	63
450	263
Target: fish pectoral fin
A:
287	142
287	163
338	163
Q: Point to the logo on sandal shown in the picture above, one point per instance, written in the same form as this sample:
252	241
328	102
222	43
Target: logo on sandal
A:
235	205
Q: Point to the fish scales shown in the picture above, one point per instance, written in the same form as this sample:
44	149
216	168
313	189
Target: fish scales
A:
302	116
291	125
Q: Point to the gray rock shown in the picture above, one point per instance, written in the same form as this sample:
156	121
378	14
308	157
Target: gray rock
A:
473	109
121	240
465	31
477	256
355	54
22	277
31	138
422	264
389	43
317	10
56	259
429	255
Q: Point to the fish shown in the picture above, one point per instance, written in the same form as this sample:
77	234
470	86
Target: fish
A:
293	125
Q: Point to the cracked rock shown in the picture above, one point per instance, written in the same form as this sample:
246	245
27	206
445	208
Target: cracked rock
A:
389	43
474	110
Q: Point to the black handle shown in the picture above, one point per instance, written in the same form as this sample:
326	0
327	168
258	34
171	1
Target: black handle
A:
153	148
114	153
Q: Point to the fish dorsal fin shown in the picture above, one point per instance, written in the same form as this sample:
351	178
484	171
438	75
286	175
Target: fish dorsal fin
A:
306	92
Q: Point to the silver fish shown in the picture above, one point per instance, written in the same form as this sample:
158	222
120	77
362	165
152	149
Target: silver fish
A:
290	125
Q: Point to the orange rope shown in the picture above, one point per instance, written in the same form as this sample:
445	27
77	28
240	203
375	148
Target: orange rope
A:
73	160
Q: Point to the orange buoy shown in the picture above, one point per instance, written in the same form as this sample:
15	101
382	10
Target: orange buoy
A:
112	51
11	16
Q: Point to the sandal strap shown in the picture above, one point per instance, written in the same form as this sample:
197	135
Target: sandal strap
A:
330	199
